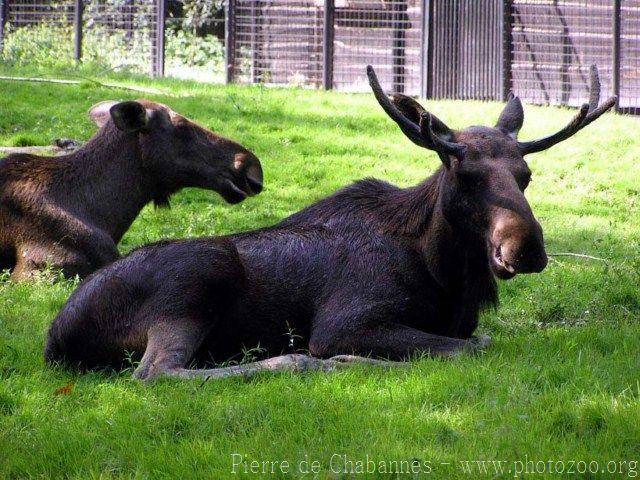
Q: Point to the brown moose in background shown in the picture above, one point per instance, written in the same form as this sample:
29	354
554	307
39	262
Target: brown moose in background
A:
70	211
371	270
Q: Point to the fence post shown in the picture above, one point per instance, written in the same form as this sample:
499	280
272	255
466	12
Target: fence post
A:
77	30
327	44
427	47
4	13
507	47
616	51
229	40
158	60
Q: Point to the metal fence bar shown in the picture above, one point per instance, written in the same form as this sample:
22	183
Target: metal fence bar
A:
159	47
77	30
617	33
427	35
229	40
507	50
4	11
328	37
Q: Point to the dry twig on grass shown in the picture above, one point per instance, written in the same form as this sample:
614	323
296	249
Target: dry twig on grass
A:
577	255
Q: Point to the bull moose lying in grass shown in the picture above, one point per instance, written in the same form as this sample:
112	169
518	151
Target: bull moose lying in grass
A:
70	211
372	270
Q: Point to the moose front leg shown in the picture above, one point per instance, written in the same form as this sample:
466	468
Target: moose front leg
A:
171	343
293	362
88	250
100	249
32	257
369	333
74	234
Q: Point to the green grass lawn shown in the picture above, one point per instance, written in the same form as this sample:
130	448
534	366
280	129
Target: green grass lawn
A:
560	383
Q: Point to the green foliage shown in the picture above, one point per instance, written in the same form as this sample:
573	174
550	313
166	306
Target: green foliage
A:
560	381
197	13
117	51
44	46
51	47
191	56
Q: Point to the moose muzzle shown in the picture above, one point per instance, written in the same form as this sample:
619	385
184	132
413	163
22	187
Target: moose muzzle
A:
516	244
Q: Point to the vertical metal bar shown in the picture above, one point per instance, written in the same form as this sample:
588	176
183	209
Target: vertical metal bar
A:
4	14
507	46
254	41
327	44
617	33
158	68
229	37
428	67
456	14
423	45
77	29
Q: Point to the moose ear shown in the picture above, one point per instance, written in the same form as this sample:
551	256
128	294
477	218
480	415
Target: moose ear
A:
512	117
412	110
129	117
408	107
99	113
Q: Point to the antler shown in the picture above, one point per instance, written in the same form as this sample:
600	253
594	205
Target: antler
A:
423	134
587	114
409	128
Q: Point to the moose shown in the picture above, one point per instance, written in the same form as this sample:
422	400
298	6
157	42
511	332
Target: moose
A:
70	211
372	274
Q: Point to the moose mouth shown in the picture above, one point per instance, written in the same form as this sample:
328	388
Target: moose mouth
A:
237	189
500	267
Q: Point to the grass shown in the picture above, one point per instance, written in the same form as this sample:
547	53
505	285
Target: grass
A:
561	381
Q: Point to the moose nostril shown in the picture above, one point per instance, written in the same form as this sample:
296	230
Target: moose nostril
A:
256	187
254	178
542	262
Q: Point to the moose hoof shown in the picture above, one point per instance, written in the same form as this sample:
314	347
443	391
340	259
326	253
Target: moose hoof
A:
481	342
145	372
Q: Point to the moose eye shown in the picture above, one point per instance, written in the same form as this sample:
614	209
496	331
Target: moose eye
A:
470	175
524	180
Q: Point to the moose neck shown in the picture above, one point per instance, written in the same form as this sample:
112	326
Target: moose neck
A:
457	260
111	186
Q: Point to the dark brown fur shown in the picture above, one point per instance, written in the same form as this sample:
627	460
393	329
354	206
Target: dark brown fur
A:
70	211
371	270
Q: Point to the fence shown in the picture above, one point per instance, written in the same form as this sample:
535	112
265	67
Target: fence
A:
127	33
553	43
465	49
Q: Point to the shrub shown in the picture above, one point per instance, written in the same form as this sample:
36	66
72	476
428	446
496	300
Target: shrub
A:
48	46
38	45
191	56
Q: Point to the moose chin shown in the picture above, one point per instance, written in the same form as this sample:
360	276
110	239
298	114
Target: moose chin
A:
69	212
372	271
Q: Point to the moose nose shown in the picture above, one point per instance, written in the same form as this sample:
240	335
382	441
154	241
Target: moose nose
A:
518	244
254	177
248	165
523	255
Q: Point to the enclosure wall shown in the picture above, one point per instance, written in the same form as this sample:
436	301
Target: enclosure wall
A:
458	49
